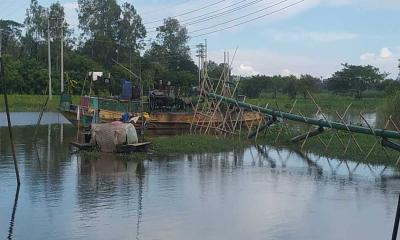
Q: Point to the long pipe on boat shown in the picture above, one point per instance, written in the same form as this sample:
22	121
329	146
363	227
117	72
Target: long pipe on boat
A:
312	121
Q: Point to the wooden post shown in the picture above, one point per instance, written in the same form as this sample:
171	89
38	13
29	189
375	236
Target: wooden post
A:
8	114
49	53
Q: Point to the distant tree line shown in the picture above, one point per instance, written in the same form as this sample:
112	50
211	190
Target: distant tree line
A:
351	80
110	32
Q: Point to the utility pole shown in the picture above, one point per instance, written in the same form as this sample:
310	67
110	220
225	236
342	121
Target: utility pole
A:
398	77
48	52
62	55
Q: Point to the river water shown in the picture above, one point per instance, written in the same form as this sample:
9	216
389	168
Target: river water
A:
258	193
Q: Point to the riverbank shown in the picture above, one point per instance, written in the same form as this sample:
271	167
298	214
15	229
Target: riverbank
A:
31	103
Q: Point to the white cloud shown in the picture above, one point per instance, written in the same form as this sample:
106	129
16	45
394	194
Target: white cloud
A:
385	53
246	70
315	36
385	60
367	57
286	72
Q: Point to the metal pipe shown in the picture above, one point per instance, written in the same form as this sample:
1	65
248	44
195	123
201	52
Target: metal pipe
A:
311	121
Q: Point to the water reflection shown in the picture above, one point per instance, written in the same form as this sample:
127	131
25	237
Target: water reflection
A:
14	210
257	193
373	119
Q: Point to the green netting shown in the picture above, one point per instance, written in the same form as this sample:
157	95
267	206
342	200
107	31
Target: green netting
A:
65	102
121	106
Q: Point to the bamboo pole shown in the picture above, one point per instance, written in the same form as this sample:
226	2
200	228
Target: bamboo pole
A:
8	115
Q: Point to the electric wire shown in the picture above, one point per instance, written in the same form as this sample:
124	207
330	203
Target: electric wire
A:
241	17
189	12
212	17
250	20
212	12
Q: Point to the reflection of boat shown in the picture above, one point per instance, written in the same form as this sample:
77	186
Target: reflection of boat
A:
109	164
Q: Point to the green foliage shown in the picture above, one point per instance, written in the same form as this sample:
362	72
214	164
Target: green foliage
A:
291	85
392	107
308	83
330	103
391	86
356	79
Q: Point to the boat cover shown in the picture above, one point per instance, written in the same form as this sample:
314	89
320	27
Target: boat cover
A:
108	135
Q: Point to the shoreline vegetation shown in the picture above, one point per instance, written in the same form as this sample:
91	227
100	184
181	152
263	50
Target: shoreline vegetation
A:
32	103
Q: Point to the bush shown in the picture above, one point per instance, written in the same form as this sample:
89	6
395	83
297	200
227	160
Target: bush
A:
392	107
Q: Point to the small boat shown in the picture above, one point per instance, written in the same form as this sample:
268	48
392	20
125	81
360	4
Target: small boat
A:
115	137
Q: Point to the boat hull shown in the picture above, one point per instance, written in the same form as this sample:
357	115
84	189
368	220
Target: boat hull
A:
172	122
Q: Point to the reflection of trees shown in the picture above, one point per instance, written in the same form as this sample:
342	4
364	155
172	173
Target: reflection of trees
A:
48	161
43	174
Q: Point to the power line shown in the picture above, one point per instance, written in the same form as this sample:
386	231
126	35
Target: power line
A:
212	17
189	12
212	12
163	9
241	17
250	20
224	12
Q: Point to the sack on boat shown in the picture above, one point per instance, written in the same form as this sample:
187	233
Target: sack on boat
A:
108	135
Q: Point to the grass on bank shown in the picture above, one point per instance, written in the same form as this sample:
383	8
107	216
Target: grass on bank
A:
31	103
328	102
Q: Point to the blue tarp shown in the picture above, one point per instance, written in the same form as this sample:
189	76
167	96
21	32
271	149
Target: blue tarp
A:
126	90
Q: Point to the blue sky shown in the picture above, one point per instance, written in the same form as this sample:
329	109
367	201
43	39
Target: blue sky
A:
313	36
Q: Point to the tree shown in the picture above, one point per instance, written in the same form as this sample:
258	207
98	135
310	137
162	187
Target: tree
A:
169	55
11	35
99	20
356	78
291	86
214	69
131	31
170	47
36	26
308	83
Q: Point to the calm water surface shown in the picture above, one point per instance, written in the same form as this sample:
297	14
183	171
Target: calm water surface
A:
259	193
